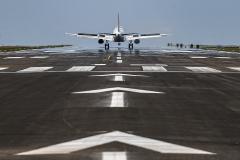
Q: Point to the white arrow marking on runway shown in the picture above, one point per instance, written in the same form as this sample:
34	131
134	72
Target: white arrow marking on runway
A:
39	57
235	68
3	68
14	57
118	89
203	69
116	136
81	68
118	74
35	69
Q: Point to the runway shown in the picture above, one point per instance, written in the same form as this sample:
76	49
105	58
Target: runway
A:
120	105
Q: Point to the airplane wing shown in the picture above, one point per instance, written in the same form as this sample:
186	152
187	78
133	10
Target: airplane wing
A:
130	37
104	36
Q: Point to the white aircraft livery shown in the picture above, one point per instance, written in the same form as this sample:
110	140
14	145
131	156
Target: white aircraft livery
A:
118	36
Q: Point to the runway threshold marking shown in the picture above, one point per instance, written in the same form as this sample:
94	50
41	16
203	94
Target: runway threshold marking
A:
114	156
81	68
115	136
118	89
35	69
154	68
234	68
117	99
203	69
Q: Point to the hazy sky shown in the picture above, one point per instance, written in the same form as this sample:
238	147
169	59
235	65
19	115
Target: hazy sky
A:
46	21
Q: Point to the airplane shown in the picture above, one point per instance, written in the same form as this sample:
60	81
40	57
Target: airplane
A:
118	36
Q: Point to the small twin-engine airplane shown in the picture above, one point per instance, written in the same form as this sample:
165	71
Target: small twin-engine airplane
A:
118	36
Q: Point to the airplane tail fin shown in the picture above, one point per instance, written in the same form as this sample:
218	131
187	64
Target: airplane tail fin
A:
118	23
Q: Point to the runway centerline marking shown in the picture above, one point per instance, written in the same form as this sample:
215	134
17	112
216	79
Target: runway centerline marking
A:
119	54
118	89
154	68
203	69
119	61
118	74
234	68
114	156
115	136
35	69
118	78
117	99
81	68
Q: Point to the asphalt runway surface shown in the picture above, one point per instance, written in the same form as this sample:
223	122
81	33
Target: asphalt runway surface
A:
119	105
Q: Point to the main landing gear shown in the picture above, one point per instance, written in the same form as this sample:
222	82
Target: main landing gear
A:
106	46
130	46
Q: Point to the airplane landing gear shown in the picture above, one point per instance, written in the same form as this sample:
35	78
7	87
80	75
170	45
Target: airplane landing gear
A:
130	46
107	46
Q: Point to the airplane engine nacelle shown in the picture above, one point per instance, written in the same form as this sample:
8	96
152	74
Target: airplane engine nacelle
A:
100	41
136	41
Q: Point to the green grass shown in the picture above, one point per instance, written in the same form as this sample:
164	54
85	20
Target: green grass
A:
19	48
221	48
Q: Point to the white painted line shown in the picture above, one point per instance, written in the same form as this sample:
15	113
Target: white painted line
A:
235	68
114	156
163	65
118	74
39	57
203	69
81	68
117	99
119	54
115	136
118	89
99	64
3	68
14	57
119	61
118	78
119	58
35	69
198	57
154	68
223	57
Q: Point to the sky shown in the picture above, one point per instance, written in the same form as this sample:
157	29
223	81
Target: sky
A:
42	22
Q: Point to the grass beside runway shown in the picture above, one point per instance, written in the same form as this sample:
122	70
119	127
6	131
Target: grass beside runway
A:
20	48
